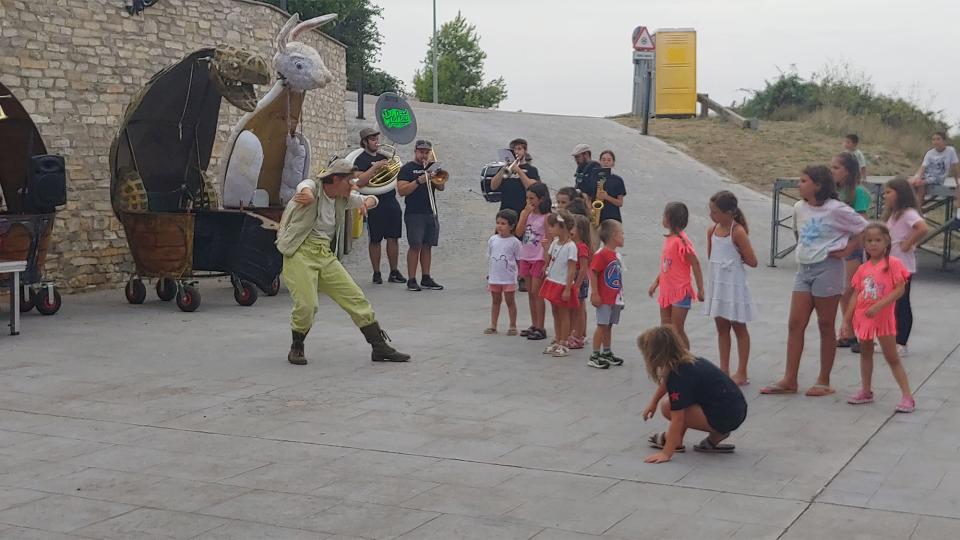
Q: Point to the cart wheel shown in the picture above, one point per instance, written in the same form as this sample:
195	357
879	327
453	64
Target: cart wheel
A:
245	294
26	299
135	291
166	289
274	287
189	298
46	305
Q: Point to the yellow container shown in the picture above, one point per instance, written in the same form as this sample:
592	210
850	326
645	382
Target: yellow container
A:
676	72
357	229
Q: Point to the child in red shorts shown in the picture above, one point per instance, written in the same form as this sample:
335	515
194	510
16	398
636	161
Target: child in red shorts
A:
561	277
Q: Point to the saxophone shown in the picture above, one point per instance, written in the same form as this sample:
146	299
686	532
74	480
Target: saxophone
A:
598	203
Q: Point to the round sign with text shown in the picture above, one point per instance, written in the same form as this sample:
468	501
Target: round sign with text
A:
396	118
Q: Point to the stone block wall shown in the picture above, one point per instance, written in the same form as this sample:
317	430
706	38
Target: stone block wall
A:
75	64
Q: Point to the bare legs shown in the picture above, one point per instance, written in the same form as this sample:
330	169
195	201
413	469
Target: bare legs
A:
802	305
888	344
743	347
497	298
537	307
676	317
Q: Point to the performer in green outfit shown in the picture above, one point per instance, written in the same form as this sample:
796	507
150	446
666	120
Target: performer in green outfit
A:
312	221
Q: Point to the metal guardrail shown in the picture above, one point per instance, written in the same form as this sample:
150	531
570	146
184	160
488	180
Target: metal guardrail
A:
938	197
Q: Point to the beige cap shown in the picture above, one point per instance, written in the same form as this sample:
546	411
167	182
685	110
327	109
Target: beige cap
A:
339	166
367	132
580	148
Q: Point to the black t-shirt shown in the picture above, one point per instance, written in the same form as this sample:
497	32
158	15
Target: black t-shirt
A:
417	202
363	162
585	179
614	187
512	193
702	383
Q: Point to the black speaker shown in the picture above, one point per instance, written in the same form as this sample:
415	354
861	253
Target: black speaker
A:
47	185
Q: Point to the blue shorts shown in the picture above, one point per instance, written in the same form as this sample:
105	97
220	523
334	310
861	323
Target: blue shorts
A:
685	303
857	255
584	290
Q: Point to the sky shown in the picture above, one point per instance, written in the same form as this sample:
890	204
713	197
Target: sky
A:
574	57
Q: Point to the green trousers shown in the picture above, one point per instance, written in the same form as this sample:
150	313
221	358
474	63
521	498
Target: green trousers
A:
314	268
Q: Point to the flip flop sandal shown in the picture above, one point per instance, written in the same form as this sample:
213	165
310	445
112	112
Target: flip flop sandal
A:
490	330
819	390
512	332
776	389
708	447
657	440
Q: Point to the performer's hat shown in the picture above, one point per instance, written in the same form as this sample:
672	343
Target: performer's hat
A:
367	132
339	166
579	149
424	145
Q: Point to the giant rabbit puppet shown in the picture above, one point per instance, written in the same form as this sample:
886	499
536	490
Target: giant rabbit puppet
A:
178	227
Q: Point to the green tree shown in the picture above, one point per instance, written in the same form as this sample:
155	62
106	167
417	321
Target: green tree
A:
460	69
356	28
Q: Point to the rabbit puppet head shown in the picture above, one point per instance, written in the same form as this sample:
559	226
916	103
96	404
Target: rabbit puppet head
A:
299	64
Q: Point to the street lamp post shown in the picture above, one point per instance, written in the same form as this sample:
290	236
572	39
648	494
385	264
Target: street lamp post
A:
436	97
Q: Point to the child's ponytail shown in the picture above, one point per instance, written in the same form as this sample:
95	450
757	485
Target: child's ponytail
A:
727	203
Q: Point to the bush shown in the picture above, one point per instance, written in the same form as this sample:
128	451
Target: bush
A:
840	90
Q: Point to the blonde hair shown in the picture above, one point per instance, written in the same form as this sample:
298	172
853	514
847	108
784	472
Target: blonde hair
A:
584	231
663	351
561	217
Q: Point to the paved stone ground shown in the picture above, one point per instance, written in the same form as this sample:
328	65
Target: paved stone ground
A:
120	421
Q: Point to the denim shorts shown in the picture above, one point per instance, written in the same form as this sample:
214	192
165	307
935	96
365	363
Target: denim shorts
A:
584	290
822	279
685	303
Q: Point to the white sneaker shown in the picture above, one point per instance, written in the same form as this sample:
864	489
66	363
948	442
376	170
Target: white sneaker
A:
561	351
552	348
903	351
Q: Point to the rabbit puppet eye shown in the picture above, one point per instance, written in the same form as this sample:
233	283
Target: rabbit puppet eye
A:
300	65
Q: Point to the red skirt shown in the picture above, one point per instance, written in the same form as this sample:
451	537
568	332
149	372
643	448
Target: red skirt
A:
553	293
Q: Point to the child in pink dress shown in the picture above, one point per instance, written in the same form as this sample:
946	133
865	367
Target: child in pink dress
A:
677	259
878	284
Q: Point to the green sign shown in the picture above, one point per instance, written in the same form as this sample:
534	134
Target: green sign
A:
396	118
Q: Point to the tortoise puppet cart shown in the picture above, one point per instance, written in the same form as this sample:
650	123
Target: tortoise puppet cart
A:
161	193
32	185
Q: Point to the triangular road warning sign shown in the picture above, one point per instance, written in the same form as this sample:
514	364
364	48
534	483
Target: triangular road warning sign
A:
642	40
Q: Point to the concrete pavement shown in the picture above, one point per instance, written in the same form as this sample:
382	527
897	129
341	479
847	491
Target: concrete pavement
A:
121	421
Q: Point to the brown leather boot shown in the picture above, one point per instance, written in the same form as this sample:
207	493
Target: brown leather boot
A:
382	352
296	356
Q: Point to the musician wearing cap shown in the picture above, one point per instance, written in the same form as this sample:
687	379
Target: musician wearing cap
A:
418	186
585	179
312	221
385	221
513	180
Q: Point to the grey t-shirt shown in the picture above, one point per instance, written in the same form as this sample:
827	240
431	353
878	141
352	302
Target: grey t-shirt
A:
861	159
936	165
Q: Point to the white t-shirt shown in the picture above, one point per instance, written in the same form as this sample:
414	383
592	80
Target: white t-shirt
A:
901	229
559	256
503	253
825	228
936	165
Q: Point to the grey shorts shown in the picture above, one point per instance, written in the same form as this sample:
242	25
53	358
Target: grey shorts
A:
822	279
422	229
608	314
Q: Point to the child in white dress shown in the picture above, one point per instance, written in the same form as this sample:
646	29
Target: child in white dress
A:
728	296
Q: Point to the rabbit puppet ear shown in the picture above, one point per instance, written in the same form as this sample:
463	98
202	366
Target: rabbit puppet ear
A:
285	32
311	24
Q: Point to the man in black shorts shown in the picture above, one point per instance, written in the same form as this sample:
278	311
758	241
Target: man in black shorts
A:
585	179
512	182
386	220
423	225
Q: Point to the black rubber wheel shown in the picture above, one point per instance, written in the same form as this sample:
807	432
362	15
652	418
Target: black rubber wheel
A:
166	289
135	291
188	299
274	287
26	299
245	293
45	305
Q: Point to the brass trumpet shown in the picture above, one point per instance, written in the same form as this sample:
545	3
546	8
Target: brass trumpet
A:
440	177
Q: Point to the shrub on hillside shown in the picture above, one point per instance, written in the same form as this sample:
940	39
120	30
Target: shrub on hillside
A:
790	97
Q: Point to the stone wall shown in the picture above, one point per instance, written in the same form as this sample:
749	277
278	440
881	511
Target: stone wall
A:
75	64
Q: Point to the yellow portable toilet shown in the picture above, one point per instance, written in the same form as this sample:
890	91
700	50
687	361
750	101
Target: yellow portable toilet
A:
676	79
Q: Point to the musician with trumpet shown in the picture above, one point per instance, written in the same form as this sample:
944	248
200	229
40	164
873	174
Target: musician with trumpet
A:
513	179
418	185
386	220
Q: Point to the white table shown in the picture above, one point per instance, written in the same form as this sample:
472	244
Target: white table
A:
14	267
